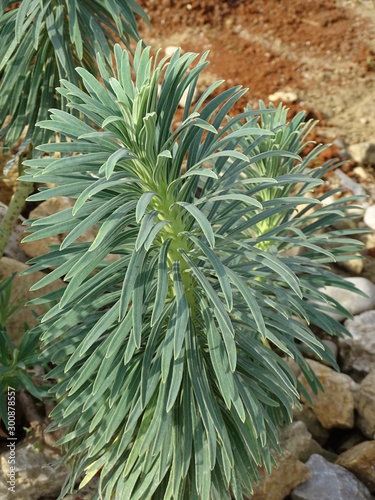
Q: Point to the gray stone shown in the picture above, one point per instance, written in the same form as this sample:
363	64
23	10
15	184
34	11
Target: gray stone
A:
358	352
353	302
363	152
349	183
369	217
330	482
87	492
365	405
34	475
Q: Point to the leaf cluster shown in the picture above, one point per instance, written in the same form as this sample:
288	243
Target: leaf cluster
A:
42	42
171	336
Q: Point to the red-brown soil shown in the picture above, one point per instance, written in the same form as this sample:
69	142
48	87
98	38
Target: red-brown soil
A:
316	48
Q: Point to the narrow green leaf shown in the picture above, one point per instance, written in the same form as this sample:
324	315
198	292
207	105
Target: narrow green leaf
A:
142	205
162	286
219	268
135	265
202	221
224	321
182	310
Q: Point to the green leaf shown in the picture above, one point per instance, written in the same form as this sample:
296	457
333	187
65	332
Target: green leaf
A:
142	205
117	219
250	301
147	225
224	321
120	154
202	221
219	268
177	375
182	310
132	272
162	284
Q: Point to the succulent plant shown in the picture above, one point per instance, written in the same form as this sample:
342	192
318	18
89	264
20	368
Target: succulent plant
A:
171	337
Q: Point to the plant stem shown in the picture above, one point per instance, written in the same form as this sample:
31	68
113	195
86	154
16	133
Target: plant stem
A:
9	222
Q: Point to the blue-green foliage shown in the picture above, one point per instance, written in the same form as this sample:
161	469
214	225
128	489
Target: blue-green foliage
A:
171	373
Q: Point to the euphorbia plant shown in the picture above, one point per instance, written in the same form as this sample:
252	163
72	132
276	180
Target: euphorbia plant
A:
171	360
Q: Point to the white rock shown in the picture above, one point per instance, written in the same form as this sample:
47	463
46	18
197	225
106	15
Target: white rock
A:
170	50
358	352
369	217
183	99
363	152
182	102
283	96
362	173
353	302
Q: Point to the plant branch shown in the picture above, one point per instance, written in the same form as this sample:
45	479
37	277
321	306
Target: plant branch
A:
9	222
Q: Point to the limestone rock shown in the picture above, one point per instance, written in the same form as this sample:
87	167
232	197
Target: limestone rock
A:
296	439
290	473
335	406
365	405
283	96
330	481
353	266
363	152
182	101
361	461
20	291
358	352
308	417
34	476
353	302
369	217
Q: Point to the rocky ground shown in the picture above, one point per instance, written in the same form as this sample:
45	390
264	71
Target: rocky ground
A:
317	55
